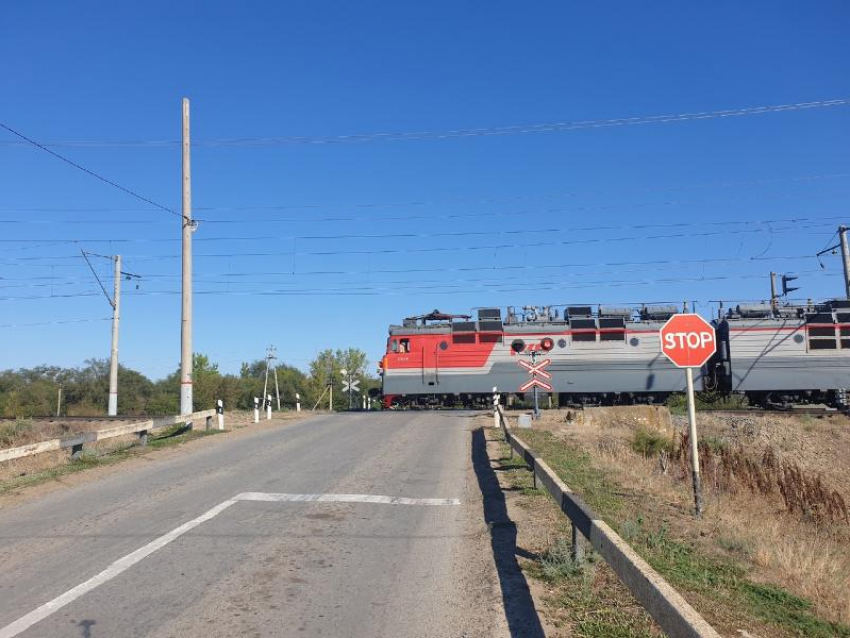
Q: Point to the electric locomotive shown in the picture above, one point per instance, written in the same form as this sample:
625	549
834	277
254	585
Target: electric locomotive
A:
607	355
610	355
782	355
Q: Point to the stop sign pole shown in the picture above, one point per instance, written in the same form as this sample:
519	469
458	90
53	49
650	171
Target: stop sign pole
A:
689	342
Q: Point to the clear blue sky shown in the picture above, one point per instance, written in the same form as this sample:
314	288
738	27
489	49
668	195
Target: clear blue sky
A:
101	72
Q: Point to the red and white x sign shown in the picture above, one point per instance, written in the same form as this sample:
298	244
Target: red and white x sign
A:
536	368
535	382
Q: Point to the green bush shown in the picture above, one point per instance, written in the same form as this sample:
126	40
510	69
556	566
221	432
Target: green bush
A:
650	443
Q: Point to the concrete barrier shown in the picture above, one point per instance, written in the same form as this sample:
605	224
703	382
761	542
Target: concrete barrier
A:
666	606
76	441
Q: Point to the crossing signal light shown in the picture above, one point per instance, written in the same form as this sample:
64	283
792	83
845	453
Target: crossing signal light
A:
785	287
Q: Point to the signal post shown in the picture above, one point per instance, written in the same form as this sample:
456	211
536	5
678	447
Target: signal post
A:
689	341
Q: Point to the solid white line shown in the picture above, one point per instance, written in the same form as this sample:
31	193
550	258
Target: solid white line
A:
342	498
120	565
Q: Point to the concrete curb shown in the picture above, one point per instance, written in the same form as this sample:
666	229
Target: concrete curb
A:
666	606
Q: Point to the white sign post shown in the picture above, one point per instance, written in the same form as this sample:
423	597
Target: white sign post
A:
351	386
689	342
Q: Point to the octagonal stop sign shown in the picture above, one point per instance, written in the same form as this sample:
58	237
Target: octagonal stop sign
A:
688	340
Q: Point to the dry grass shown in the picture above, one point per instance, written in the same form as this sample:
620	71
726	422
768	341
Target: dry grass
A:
730	468
769	513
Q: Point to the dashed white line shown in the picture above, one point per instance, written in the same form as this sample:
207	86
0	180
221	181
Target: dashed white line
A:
342	498
123	564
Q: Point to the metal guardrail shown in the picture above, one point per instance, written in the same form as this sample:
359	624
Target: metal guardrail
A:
75	442
666	606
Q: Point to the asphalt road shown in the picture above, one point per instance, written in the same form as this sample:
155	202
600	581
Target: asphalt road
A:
109	558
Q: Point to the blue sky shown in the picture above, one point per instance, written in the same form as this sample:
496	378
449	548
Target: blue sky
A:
293	249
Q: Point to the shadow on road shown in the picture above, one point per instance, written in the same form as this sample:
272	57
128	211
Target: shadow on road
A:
519	606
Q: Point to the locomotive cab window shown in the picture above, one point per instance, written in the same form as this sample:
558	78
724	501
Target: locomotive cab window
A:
394	345
404	346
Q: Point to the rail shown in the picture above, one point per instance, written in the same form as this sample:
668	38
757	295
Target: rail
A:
75	441
666	606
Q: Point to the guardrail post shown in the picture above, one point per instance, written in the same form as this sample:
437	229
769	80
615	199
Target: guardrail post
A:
256	410
219	410
577	552
143	437
76	451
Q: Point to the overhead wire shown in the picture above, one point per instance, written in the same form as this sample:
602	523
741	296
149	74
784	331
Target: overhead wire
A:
440	202
459	133
90	172
441	290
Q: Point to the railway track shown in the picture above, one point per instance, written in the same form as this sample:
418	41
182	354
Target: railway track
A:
809	411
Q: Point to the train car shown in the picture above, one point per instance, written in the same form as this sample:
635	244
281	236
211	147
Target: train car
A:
602	355
778	356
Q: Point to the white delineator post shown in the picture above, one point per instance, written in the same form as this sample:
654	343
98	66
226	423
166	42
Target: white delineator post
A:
364	401
186	406
256	410
297	402
219	410
113	359
268	407
496	423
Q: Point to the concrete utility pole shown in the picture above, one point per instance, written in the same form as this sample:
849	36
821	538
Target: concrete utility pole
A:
113	359
186	404
59	402
773	291
271	354
845	257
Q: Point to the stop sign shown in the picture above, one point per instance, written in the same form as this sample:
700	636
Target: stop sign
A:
688	340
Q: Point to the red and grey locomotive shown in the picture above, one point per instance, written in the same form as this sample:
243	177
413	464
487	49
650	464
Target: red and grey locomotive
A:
612	355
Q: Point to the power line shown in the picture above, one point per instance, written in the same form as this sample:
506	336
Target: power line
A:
430	290
89	172
52	323
455	133
53	280
814	221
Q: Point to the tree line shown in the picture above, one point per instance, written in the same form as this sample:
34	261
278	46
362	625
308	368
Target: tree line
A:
84	390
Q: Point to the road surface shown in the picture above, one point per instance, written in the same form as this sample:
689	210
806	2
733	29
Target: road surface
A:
281	532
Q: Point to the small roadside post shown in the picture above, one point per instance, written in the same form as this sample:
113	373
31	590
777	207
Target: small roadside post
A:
219	410
268	407
496	397
688	341
297	402
256	409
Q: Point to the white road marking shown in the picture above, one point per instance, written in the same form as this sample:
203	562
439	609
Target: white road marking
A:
123	564
120	565
342	498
